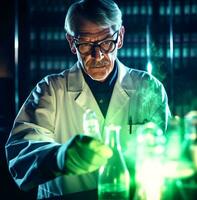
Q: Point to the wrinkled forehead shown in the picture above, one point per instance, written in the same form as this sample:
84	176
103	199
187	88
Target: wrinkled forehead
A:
92	31
87	36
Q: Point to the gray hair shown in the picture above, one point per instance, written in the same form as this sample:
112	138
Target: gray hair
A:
101	12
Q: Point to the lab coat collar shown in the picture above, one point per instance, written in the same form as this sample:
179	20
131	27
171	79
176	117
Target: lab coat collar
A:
81	93
76	82
83	96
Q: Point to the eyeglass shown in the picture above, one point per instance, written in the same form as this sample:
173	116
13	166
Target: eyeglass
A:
105	46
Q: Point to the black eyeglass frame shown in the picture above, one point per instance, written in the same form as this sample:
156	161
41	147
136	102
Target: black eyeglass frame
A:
97	44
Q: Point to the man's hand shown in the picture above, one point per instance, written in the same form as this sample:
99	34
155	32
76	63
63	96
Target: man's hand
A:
85	154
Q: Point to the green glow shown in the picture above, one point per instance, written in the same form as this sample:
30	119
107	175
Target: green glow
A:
150	179
177	169
193	149
149	163
174	143
160	158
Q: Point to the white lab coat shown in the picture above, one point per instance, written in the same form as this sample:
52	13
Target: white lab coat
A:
53	113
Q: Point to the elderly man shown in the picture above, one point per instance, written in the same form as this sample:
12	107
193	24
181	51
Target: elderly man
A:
47	146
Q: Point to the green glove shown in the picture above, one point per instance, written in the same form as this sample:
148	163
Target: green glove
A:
85	154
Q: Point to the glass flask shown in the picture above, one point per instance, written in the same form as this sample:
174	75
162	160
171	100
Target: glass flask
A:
113	178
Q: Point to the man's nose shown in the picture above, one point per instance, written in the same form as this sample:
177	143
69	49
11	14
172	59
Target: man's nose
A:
96	53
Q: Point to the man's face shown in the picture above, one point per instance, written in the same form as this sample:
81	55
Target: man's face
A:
96	62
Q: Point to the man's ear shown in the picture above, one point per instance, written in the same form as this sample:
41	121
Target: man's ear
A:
71	43
121	38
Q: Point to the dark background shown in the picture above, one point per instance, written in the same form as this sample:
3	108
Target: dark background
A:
36	27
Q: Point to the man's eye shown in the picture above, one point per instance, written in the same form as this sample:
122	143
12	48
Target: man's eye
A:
107	44
85	47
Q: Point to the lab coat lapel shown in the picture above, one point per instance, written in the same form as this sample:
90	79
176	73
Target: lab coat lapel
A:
119	103
81	92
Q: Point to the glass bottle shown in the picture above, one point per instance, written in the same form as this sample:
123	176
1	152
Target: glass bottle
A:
114	179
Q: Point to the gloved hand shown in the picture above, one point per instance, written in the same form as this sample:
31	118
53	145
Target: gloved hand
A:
85	154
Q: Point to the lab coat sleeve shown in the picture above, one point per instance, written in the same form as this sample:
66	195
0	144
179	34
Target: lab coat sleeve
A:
161	114
33	155
156	100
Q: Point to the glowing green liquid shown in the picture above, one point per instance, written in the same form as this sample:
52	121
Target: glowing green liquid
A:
113	192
